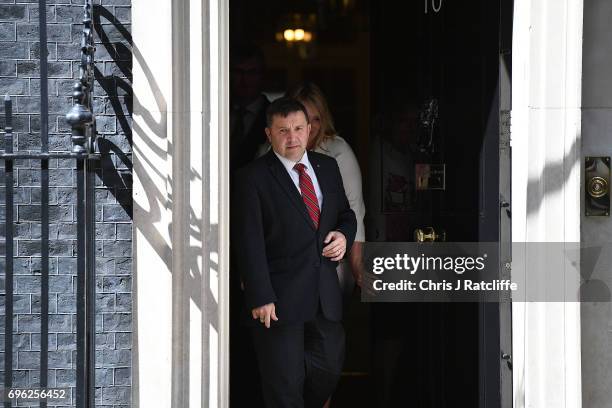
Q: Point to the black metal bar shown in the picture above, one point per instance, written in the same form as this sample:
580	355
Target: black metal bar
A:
44	197
44	91
43	156
87	72
8	305
82	122
44	278
90	280
81	292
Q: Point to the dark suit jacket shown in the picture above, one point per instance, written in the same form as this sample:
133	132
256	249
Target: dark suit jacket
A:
276	248
244	152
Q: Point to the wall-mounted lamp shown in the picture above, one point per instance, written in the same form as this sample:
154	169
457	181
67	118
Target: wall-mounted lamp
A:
291	35
297	34
297	29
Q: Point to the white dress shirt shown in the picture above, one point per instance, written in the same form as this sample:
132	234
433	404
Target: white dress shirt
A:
295	176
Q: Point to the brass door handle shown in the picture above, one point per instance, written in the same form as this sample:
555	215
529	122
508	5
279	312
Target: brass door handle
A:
598	186
428	234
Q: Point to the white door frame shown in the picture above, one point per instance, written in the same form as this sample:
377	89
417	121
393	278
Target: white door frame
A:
181	181
546	151
181	194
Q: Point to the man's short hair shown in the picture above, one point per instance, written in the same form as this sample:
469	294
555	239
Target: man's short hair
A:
283	107
242	52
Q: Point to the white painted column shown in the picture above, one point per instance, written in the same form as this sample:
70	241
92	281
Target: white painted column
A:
181	219
152	247
546	82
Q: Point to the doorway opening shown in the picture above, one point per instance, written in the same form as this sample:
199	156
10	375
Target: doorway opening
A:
414	89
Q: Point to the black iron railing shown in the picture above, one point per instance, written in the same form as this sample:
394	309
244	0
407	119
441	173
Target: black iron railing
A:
84	153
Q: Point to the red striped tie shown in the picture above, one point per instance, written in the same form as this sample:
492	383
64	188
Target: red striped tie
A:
308	194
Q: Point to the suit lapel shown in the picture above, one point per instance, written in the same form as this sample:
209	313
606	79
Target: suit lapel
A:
280	174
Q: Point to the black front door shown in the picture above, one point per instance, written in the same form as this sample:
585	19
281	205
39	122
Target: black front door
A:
437	95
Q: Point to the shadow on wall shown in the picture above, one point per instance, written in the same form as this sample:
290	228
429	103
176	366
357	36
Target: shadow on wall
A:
551	179
118	88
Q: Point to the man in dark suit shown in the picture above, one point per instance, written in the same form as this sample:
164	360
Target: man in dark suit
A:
291	224
248	104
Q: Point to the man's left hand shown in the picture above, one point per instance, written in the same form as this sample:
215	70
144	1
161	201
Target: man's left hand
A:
336	246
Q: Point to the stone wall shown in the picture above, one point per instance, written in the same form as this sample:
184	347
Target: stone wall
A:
20	78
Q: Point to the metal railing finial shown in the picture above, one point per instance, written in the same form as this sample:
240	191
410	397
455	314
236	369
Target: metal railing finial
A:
8	114
80	119
80	116
8	124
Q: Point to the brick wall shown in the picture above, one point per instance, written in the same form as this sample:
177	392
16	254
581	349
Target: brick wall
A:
20	78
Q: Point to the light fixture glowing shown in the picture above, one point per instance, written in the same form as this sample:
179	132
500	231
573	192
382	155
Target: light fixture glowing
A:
289	35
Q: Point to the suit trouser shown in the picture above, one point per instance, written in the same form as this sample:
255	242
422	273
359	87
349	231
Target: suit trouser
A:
301	363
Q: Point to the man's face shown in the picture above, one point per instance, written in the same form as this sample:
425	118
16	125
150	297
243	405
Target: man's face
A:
246	79
289	136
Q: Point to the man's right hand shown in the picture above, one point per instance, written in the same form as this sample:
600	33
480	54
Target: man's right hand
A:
265	313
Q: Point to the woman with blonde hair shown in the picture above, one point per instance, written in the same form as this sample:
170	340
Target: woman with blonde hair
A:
324	139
